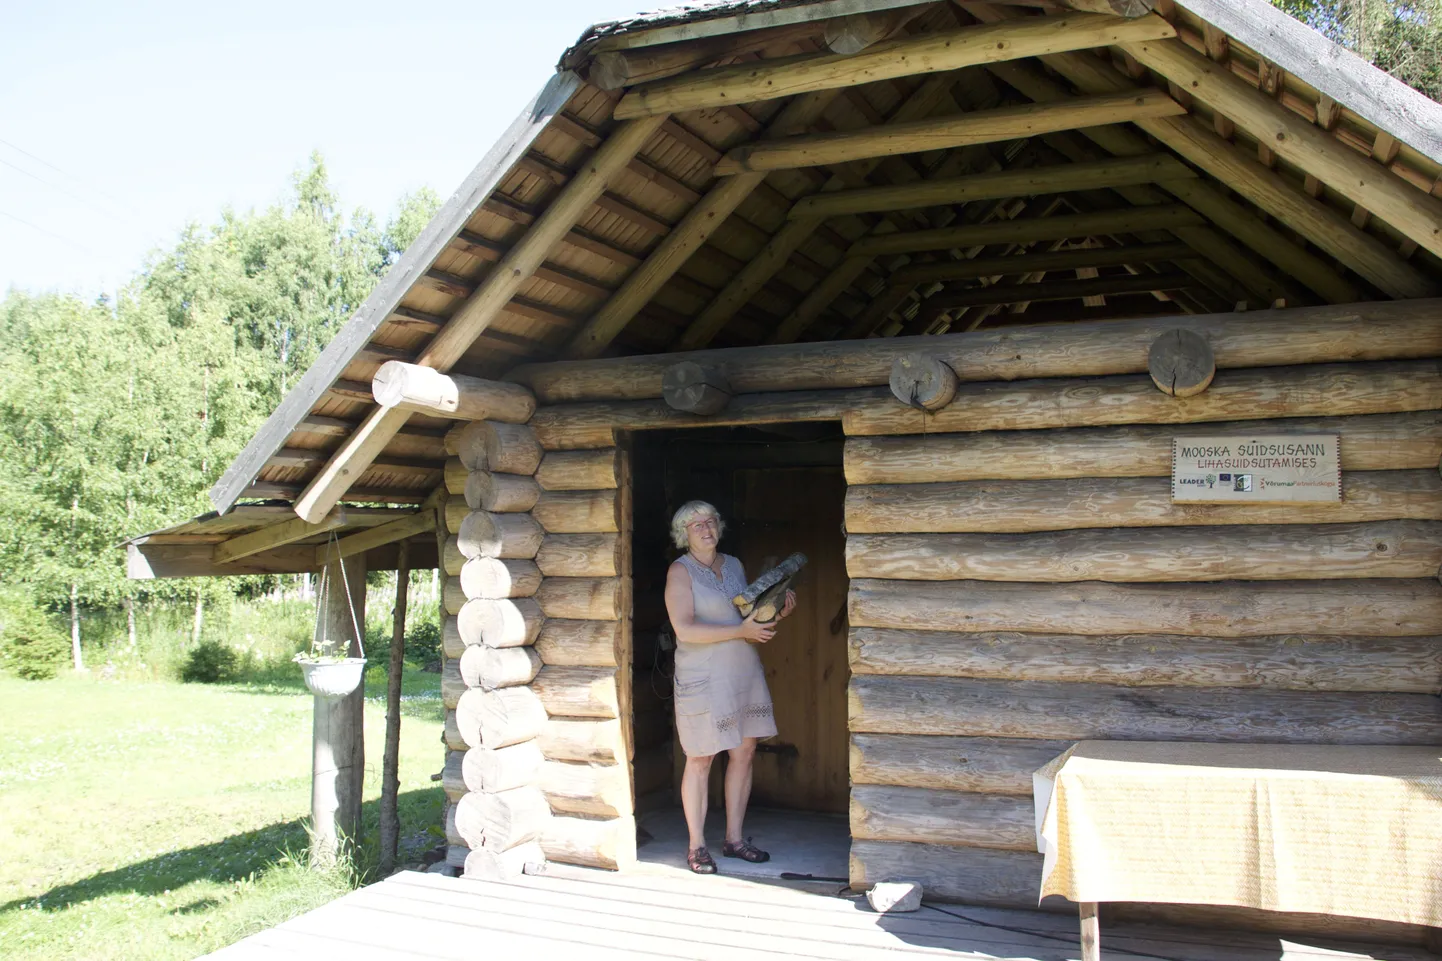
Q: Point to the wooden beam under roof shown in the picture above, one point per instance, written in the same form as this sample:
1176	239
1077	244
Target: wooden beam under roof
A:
1086	257
685	239
1062	178
1412	212
1326	228
1061	289
794	233
275	535
489	299
928	53
1058	227
420	522
944	133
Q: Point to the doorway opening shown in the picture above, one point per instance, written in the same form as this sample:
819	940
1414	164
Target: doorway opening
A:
780	489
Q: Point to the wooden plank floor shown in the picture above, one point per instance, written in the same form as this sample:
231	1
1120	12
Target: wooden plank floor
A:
600	916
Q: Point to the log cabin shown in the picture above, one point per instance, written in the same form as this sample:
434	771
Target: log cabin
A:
925	289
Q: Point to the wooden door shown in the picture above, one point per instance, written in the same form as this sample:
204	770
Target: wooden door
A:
779	511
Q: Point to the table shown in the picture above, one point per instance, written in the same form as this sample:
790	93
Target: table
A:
1341	830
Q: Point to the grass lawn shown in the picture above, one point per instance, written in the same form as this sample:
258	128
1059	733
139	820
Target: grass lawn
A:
164	820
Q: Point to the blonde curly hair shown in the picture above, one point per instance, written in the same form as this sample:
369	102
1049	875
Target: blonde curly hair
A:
687	513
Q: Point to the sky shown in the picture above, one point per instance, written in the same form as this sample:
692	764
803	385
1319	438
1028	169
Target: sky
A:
122	123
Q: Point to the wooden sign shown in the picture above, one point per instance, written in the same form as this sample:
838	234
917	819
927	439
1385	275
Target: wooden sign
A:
1257	469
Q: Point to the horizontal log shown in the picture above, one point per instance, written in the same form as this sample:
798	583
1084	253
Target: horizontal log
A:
453	595
593	790
579	470
1015	264
455	476
452	560
1117	502
451	734
1126	220
497	719
504	493
429	391
1318	390
485	864
510	767
582	598
927	816
452	685
506	818
453	836
555	434
508	622
580	555
451	643
985	765
1302	662
489	668
1372	608
1067	289
944	133
1384	330
790	406
1081	711
889	59
484	534
568	643
577	691
583	739
577	512
1369	442
453	781
492	578
609	844
1002	879
1189	554
490	445
455	514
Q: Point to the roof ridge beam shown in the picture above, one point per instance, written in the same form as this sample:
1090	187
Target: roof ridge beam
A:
930	53
490	297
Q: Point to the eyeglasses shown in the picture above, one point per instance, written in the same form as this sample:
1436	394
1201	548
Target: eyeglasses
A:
701	525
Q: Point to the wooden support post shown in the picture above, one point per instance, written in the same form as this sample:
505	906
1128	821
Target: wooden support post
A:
390	821
338	749
1091	935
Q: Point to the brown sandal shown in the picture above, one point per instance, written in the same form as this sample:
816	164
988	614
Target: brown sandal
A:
744	850
700	861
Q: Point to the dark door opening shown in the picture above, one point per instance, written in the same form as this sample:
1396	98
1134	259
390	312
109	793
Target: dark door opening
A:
780	489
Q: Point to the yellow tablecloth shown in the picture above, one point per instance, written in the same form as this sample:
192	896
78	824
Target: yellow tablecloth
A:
1352	831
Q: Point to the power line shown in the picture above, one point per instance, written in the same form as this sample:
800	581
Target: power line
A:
101	193
72	195
50	233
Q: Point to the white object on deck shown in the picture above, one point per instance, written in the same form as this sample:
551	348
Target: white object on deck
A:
886	897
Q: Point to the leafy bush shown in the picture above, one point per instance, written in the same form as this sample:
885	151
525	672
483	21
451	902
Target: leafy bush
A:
211	662
423	643
32	647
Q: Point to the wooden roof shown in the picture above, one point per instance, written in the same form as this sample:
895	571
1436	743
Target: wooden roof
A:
857	168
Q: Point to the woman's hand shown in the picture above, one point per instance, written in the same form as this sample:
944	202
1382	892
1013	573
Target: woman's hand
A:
789	606
756	633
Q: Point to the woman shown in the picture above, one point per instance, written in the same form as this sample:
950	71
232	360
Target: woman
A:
722	703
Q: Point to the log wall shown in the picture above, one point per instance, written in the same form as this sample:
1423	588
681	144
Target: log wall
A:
1020	577
1022	581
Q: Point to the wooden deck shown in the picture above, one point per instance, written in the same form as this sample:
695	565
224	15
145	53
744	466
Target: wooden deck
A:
599	916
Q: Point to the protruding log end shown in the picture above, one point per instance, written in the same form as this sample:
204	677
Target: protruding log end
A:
695	388
1181	363
921	380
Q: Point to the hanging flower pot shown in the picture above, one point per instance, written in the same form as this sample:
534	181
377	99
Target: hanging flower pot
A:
332	677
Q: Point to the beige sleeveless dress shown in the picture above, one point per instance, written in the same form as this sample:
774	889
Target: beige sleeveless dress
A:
721	693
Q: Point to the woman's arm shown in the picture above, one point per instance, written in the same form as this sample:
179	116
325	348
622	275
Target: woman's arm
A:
681	607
